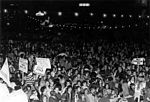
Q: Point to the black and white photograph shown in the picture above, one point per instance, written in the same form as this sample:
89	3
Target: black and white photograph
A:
74	50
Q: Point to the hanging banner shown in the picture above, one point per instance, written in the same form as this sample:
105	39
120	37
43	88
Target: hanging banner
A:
138	61
23	65
42	65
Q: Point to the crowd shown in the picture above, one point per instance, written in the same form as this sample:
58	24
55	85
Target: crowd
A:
88	71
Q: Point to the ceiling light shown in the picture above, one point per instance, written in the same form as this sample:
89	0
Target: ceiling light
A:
7	23
114	15
91	14
5	10
59	13
130	16
122	16
104	15
26	11
84	4
76	14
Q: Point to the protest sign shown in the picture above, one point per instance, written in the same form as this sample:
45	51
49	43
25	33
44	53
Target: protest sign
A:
23	65
42	65
138	61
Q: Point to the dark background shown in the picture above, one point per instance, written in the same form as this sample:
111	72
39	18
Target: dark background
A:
17	25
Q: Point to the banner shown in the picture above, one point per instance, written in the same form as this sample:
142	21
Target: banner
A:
23	65
4	73
138	61
42	65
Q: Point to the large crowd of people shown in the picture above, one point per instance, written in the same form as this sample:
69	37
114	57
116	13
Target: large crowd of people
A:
87	71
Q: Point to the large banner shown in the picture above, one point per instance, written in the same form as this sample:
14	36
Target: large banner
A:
23	65
42	65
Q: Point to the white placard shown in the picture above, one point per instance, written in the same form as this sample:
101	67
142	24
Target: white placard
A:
42	65
138	61
23	65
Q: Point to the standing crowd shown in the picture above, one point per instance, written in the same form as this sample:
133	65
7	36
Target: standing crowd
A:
94	71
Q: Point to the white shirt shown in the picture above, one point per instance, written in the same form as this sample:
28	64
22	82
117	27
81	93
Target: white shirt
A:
91	98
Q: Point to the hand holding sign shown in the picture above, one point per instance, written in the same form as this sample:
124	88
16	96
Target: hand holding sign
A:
23	65
138	61
42	65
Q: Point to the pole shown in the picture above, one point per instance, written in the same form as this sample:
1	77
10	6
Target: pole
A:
22	78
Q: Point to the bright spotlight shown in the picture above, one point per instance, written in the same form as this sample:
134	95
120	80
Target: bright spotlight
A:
5	10
104	15
91	14
76	14
59	13
130	16
116	27
114	15
122	16
84	4
26	11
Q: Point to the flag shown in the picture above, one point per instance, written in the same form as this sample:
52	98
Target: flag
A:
4	72
30	79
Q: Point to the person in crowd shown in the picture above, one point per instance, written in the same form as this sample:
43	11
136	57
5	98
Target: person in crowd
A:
125	88
44	96
91	95
132	89
34	96
69	95
55	94
107	89
107	65
36	88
